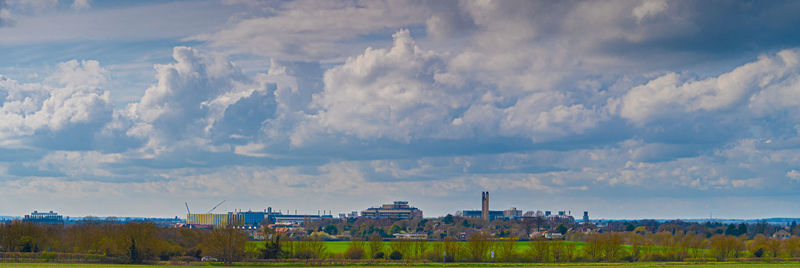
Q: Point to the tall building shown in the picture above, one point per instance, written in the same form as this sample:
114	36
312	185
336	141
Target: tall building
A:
398	210
485	205
586	216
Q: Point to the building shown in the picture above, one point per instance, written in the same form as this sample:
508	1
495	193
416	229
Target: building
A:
490	215
512	213
586	216
493	214
230	219
411	236
43	217
485	206
399	210
297	219
253	218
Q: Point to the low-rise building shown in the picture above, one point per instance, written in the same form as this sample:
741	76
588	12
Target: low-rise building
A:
493	214
230	219
411	236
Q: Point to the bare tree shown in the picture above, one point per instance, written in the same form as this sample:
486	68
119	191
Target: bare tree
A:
478	245
226	244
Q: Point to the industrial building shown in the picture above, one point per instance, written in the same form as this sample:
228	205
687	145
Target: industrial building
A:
297	219
43	217
398	210
205	220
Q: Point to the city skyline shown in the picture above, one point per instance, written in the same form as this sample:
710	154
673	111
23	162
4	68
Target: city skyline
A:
626	109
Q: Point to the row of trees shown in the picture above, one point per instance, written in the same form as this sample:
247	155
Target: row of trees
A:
124	243
145	242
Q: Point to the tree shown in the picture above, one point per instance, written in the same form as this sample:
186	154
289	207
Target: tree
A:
133	253
272	244
331	229
448	219
724	246
540	250
226	244
742	230
478	246
562	229
506	248
629	227
375	245
356	249
395	229
731	230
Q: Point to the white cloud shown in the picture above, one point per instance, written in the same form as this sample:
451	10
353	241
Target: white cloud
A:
671	95
81	4
388	93
69	97
304	30
193	99
794	175
649	8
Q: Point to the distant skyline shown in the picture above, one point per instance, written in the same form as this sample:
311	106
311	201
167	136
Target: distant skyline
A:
626	109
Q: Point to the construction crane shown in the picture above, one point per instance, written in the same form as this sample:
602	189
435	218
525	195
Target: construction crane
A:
187	208
215	207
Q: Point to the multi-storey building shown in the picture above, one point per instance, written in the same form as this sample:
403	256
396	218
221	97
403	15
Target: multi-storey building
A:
398	210
44	217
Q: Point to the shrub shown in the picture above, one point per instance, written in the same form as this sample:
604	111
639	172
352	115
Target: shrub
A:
396	255
379	255
182	259
354	253
305	253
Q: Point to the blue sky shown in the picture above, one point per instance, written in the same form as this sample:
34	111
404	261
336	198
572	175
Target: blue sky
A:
627	109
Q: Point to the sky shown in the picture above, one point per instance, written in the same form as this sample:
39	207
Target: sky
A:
626	109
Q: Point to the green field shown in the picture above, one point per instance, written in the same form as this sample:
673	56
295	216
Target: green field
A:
334	247
661	265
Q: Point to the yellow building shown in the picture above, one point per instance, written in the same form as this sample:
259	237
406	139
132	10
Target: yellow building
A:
217	220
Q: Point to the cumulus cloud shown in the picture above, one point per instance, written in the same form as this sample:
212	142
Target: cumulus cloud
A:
671	95
388	93
69	101
405	93
197	98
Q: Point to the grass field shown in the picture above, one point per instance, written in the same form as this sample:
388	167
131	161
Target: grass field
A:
576	265
334	247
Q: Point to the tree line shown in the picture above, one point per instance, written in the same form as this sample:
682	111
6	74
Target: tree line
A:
139	242
143	242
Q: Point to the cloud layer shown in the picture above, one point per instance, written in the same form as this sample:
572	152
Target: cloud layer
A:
566	105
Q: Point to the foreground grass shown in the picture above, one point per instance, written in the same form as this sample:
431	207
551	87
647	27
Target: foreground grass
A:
386	265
